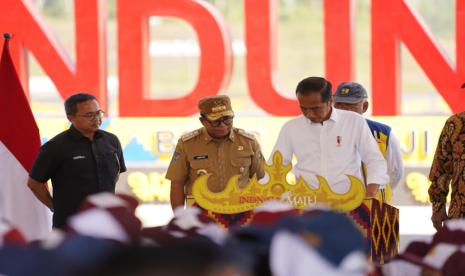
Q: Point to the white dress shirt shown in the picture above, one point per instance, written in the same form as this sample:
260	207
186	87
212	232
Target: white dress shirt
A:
332	149
395	164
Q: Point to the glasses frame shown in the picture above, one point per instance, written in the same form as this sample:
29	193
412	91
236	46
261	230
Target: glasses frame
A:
92	115
227	120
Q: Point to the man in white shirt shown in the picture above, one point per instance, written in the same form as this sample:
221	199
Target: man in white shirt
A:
330	142
352	96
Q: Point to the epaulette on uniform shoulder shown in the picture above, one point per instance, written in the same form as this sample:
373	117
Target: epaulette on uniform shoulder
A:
190	135
246	134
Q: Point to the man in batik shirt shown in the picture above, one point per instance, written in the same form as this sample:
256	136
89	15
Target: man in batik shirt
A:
448	168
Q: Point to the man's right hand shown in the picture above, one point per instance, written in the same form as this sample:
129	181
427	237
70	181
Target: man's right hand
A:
41	192
371	190
438	218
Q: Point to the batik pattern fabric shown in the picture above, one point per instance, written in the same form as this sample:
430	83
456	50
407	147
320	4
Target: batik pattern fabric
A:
448	168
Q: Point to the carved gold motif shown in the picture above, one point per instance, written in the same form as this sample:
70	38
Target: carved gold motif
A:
235	200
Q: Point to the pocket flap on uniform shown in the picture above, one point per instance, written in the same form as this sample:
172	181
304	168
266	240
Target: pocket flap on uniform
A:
241	162
199	164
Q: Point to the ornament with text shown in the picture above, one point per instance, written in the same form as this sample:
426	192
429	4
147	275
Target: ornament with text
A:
236	200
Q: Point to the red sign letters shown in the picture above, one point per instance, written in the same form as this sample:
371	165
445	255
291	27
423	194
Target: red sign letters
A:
393	22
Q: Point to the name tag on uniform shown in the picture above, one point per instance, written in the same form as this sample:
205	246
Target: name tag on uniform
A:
78	157
200	157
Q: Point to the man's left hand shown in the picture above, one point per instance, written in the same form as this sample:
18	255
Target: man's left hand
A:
371	191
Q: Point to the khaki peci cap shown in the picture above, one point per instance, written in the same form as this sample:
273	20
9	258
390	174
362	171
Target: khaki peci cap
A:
215	107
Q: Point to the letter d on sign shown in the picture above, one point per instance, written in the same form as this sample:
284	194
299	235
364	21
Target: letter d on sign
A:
133	39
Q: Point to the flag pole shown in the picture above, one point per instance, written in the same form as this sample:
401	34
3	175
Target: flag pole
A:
7	37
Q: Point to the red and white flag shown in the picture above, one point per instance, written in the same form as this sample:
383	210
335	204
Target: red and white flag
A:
19	144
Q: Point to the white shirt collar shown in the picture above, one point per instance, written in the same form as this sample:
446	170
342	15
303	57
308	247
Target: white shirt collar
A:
335	113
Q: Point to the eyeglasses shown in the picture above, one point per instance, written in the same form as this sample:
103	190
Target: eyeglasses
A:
93	115
227	120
